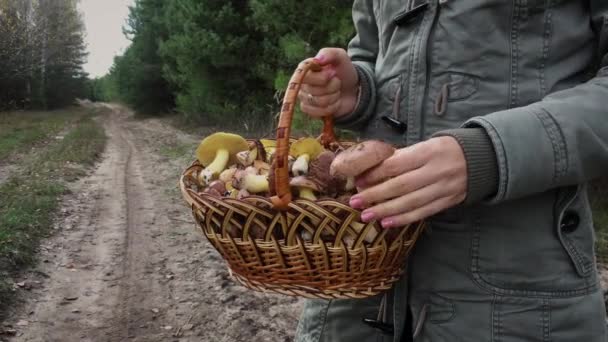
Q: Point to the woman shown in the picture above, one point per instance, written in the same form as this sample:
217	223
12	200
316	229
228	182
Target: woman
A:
503	107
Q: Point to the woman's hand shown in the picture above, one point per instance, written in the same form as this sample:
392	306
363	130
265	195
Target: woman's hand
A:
415	183
332	90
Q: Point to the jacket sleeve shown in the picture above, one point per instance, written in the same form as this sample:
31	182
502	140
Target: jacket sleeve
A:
363	50
561	140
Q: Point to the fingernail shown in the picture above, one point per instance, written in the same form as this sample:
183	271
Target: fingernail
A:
319	58
387	223
356	202
331	73
367	216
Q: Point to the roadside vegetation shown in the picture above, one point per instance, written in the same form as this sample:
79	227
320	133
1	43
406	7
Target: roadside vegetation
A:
48	150
599	202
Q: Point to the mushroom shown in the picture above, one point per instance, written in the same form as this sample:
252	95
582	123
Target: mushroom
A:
226	175
251	182
246	158
216	151
261	155
318	178
304	150
216	188
306	187
361	157
262	167
242	194
269	147
232	193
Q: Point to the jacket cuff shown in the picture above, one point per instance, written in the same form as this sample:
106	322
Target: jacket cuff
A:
367	100
482	165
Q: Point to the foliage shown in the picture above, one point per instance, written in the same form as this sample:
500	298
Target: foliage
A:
42	52
221	63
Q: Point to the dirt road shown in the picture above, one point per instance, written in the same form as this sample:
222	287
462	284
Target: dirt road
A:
126	263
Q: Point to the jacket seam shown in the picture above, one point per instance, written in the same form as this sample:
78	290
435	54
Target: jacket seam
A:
548	31
414	67
515	17
560	154
546	320
323	321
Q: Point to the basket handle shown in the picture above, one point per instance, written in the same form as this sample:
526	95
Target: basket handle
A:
282	196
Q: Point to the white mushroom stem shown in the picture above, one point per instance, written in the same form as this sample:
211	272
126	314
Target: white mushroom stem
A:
307	193
350	183
300	166
218	165
254	183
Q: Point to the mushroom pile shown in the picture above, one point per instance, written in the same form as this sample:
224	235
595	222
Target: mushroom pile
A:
237	168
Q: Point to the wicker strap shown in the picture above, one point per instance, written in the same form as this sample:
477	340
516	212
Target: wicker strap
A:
282	197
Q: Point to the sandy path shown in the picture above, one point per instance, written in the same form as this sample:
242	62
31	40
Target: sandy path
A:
126	263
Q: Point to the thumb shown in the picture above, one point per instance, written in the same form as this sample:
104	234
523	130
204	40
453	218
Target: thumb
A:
330	56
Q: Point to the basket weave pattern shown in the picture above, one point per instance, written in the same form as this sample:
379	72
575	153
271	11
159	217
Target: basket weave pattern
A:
283	262
317	249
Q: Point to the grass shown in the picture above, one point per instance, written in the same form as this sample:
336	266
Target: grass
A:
20	130
30	197
599	203
177	150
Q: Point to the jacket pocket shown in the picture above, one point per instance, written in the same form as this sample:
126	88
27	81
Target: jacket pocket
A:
525	256
575	230
520	319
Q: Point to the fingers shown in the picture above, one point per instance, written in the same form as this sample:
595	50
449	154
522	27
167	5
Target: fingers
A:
421	213
332	56
404	204
395	187
318	101
318	112
319	78
332	86
404	160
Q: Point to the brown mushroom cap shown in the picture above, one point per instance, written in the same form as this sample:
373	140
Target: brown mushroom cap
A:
233	143
360	158
318	172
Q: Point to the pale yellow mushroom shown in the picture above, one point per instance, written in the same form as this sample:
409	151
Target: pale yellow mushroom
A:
304	150
216	151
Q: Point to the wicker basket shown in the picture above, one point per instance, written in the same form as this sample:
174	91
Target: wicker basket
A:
337	262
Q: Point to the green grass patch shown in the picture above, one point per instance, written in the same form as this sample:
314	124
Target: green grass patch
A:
20	130
30	197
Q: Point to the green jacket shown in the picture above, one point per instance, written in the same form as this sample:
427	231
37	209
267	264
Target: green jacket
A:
527	82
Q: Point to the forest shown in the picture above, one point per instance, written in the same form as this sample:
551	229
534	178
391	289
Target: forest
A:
42	52
214	61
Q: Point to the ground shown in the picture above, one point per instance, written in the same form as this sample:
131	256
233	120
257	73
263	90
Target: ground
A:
126	261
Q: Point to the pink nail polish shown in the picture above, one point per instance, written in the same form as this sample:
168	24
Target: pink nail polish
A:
331	73
320	59
387	223
356	202
367	216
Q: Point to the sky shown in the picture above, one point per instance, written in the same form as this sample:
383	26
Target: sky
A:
104	20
